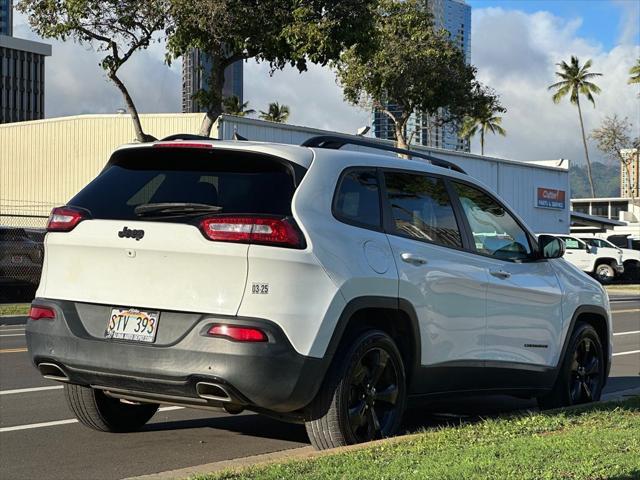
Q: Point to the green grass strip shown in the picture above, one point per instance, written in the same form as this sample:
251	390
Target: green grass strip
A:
596	442
14	308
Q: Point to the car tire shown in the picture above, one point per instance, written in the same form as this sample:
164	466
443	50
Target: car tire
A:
363	396
582	372
99	412
604	273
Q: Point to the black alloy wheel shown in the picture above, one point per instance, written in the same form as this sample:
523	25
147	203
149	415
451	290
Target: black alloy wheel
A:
373	395
582	373
363	395
585	371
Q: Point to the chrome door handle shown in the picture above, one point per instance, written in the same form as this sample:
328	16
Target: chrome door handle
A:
413	259
500	274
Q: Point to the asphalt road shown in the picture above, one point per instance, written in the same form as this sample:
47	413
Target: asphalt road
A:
40	439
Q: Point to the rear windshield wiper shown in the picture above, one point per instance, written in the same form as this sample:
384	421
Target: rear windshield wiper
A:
174	208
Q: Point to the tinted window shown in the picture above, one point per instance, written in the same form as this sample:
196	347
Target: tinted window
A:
357	200
239	182
421	208
495	231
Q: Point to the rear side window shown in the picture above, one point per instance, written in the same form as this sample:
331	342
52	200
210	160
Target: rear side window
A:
238	182
357	200
421	208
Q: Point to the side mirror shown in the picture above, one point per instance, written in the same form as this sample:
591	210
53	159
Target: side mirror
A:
590	249
550	246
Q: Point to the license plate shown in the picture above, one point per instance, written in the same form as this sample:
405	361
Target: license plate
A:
132	324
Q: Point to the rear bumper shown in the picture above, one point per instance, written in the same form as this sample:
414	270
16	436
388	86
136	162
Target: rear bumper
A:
269	376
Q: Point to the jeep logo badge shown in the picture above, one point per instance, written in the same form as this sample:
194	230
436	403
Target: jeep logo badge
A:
126	232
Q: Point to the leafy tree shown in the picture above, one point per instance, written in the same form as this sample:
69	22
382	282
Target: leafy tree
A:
634	73
412	66
232	106
613	137
117	28
280	32
276	113
575	81
486	122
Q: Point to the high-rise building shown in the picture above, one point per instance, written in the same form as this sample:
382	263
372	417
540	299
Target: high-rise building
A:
630	189
6	17
195	68
21	72
422	129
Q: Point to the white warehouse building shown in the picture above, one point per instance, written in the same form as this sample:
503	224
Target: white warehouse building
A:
43	163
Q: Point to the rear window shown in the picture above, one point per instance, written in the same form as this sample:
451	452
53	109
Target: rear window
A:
357	200
238	182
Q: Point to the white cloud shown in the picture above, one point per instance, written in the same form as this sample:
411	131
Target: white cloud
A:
515	53
313	96
76	84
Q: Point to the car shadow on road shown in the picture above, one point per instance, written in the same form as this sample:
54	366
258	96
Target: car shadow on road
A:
442	413
246	424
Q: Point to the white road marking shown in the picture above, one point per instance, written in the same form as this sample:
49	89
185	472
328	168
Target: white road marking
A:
631	332
630	352
66	422
38	425
29	390
14	329
13	335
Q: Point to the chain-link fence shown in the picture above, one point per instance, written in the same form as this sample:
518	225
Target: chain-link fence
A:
21	255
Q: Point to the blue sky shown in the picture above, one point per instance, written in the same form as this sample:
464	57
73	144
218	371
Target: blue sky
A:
603	21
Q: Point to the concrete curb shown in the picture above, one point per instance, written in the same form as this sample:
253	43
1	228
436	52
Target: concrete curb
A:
306	453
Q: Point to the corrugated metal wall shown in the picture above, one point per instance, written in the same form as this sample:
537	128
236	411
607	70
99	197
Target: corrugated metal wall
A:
44	163
516	182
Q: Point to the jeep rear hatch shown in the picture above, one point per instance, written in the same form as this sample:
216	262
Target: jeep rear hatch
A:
169	228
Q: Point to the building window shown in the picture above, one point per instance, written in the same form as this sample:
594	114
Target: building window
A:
581	208
600	209
616	208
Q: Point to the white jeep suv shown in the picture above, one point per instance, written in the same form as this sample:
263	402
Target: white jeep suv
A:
315	285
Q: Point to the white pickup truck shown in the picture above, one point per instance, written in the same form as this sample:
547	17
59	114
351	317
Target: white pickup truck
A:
630	258
605	264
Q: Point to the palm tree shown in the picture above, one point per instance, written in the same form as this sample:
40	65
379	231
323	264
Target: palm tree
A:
635	73
276	113
575	82
487	121
232	106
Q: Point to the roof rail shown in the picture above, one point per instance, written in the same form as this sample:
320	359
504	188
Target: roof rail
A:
185	136
336	142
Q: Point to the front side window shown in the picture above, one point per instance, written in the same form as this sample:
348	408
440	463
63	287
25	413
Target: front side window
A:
495	231
421	208
573	243
357	200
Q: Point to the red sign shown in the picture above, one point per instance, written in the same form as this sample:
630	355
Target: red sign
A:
551	198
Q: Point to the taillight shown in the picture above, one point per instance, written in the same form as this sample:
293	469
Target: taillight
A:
65	219
245	229
40	313
238	334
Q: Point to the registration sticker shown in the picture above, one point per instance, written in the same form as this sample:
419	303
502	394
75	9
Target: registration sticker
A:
132	324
